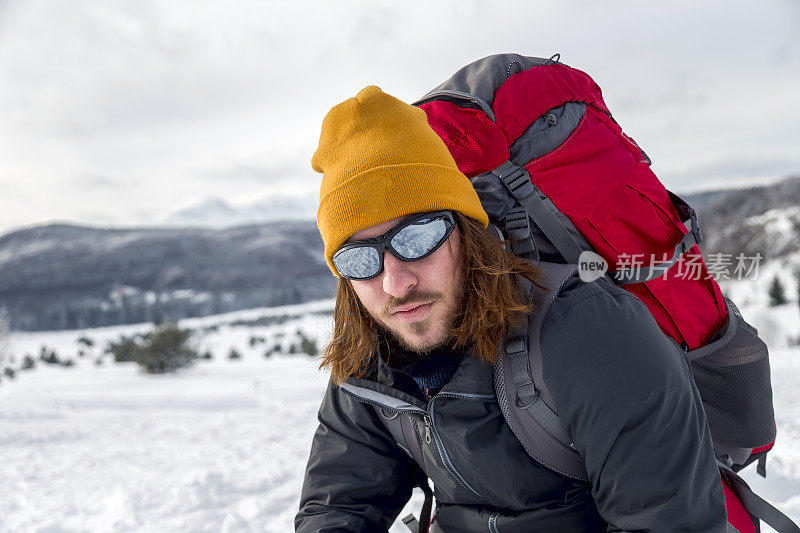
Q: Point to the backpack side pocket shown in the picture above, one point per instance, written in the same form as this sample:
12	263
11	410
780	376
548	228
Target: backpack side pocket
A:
733	376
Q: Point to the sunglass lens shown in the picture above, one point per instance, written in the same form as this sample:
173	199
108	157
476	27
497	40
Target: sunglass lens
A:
416	240
357	263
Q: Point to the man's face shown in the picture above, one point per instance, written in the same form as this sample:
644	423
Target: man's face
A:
416	301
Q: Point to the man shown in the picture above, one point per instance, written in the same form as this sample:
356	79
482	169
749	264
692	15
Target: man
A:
425	295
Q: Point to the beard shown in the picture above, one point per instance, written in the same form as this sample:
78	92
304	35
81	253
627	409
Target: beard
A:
452	317
419	328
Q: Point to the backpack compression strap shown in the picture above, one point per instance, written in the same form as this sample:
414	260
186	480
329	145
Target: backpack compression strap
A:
535	203
692	237
756	505
532	199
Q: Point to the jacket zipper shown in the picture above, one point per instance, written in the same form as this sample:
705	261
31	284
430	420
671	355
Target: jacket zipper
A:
427	429
431	435
493	523
445	457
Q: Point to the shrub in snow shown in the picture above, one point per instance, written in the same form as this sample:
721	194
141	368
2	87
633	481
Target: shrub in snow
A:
308	345
165	349
124	350
234	354
68	363
255	340
776	292
28	362
9	372
86	341
275	348
49	356
208	355
98	361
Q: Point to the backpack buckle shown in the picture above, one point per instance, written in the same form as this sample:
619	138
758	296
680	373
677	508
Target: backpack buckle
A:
517	345
698	235
518	231
526	396
516	179
517	225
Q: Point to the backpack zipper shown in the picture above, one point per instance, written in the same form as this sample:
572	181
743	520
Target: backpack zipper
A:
459	95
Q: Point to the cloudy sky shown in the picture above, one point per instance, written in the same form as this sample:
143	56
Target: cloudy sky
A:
118	112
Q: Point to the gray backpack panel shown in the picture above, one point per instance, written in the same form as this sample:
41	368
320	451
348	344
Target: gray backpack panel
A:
479	80
547	132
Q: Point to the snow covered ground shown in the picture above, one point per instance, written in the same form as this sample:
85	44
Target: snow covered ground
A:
221	446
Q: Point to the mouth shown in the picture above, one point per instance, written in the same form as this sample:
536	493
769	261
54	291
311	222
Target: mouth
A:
412	312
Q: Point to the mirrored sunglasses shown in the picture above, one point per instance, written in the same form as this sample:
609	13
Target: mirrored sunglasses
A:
410	240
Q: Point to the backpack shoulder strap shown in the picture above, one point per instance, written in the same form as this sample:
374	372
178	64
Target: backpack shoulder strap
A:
524	399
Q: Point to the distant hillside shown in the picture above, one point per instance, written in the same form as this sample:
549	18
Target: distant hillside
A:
763	220
62	276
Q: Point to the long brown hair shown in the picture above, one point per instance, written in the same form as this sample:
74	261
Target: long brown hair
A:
492	303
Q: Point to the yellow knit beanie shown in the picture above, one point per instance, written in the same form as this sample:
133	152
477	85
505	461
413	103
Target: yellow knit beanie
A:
381	160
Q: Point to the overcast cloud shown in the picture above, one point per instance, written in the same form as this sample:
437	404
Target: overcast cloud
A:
116	112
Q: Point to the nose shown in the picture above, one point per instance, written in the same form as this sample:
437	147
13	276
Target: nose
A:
398	276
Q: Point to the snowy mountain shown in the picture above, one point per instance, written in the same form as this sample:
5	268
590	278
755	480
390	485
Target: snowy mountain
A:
60	276
217	213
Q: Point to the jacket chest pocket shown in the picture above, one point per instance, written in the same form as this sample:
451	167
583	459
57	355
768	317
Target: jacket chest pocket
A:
465	447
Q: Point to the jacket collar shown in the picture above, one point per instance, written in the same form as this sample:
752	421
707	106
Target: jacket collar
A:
471	377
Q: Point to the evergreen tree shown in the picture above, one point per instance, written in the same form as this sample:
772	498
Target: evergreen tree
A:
28	362
776	292
165	349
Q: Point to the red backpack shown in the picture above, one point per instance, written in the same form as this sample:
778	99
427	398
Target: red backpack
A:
565	184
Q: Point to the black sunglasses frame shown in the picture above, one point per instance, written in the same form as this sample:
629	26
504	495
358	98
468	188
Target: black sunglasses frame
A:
382	243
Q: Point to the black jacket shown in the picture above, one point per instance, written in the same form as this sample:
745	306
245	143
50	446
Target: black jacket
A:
625	397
